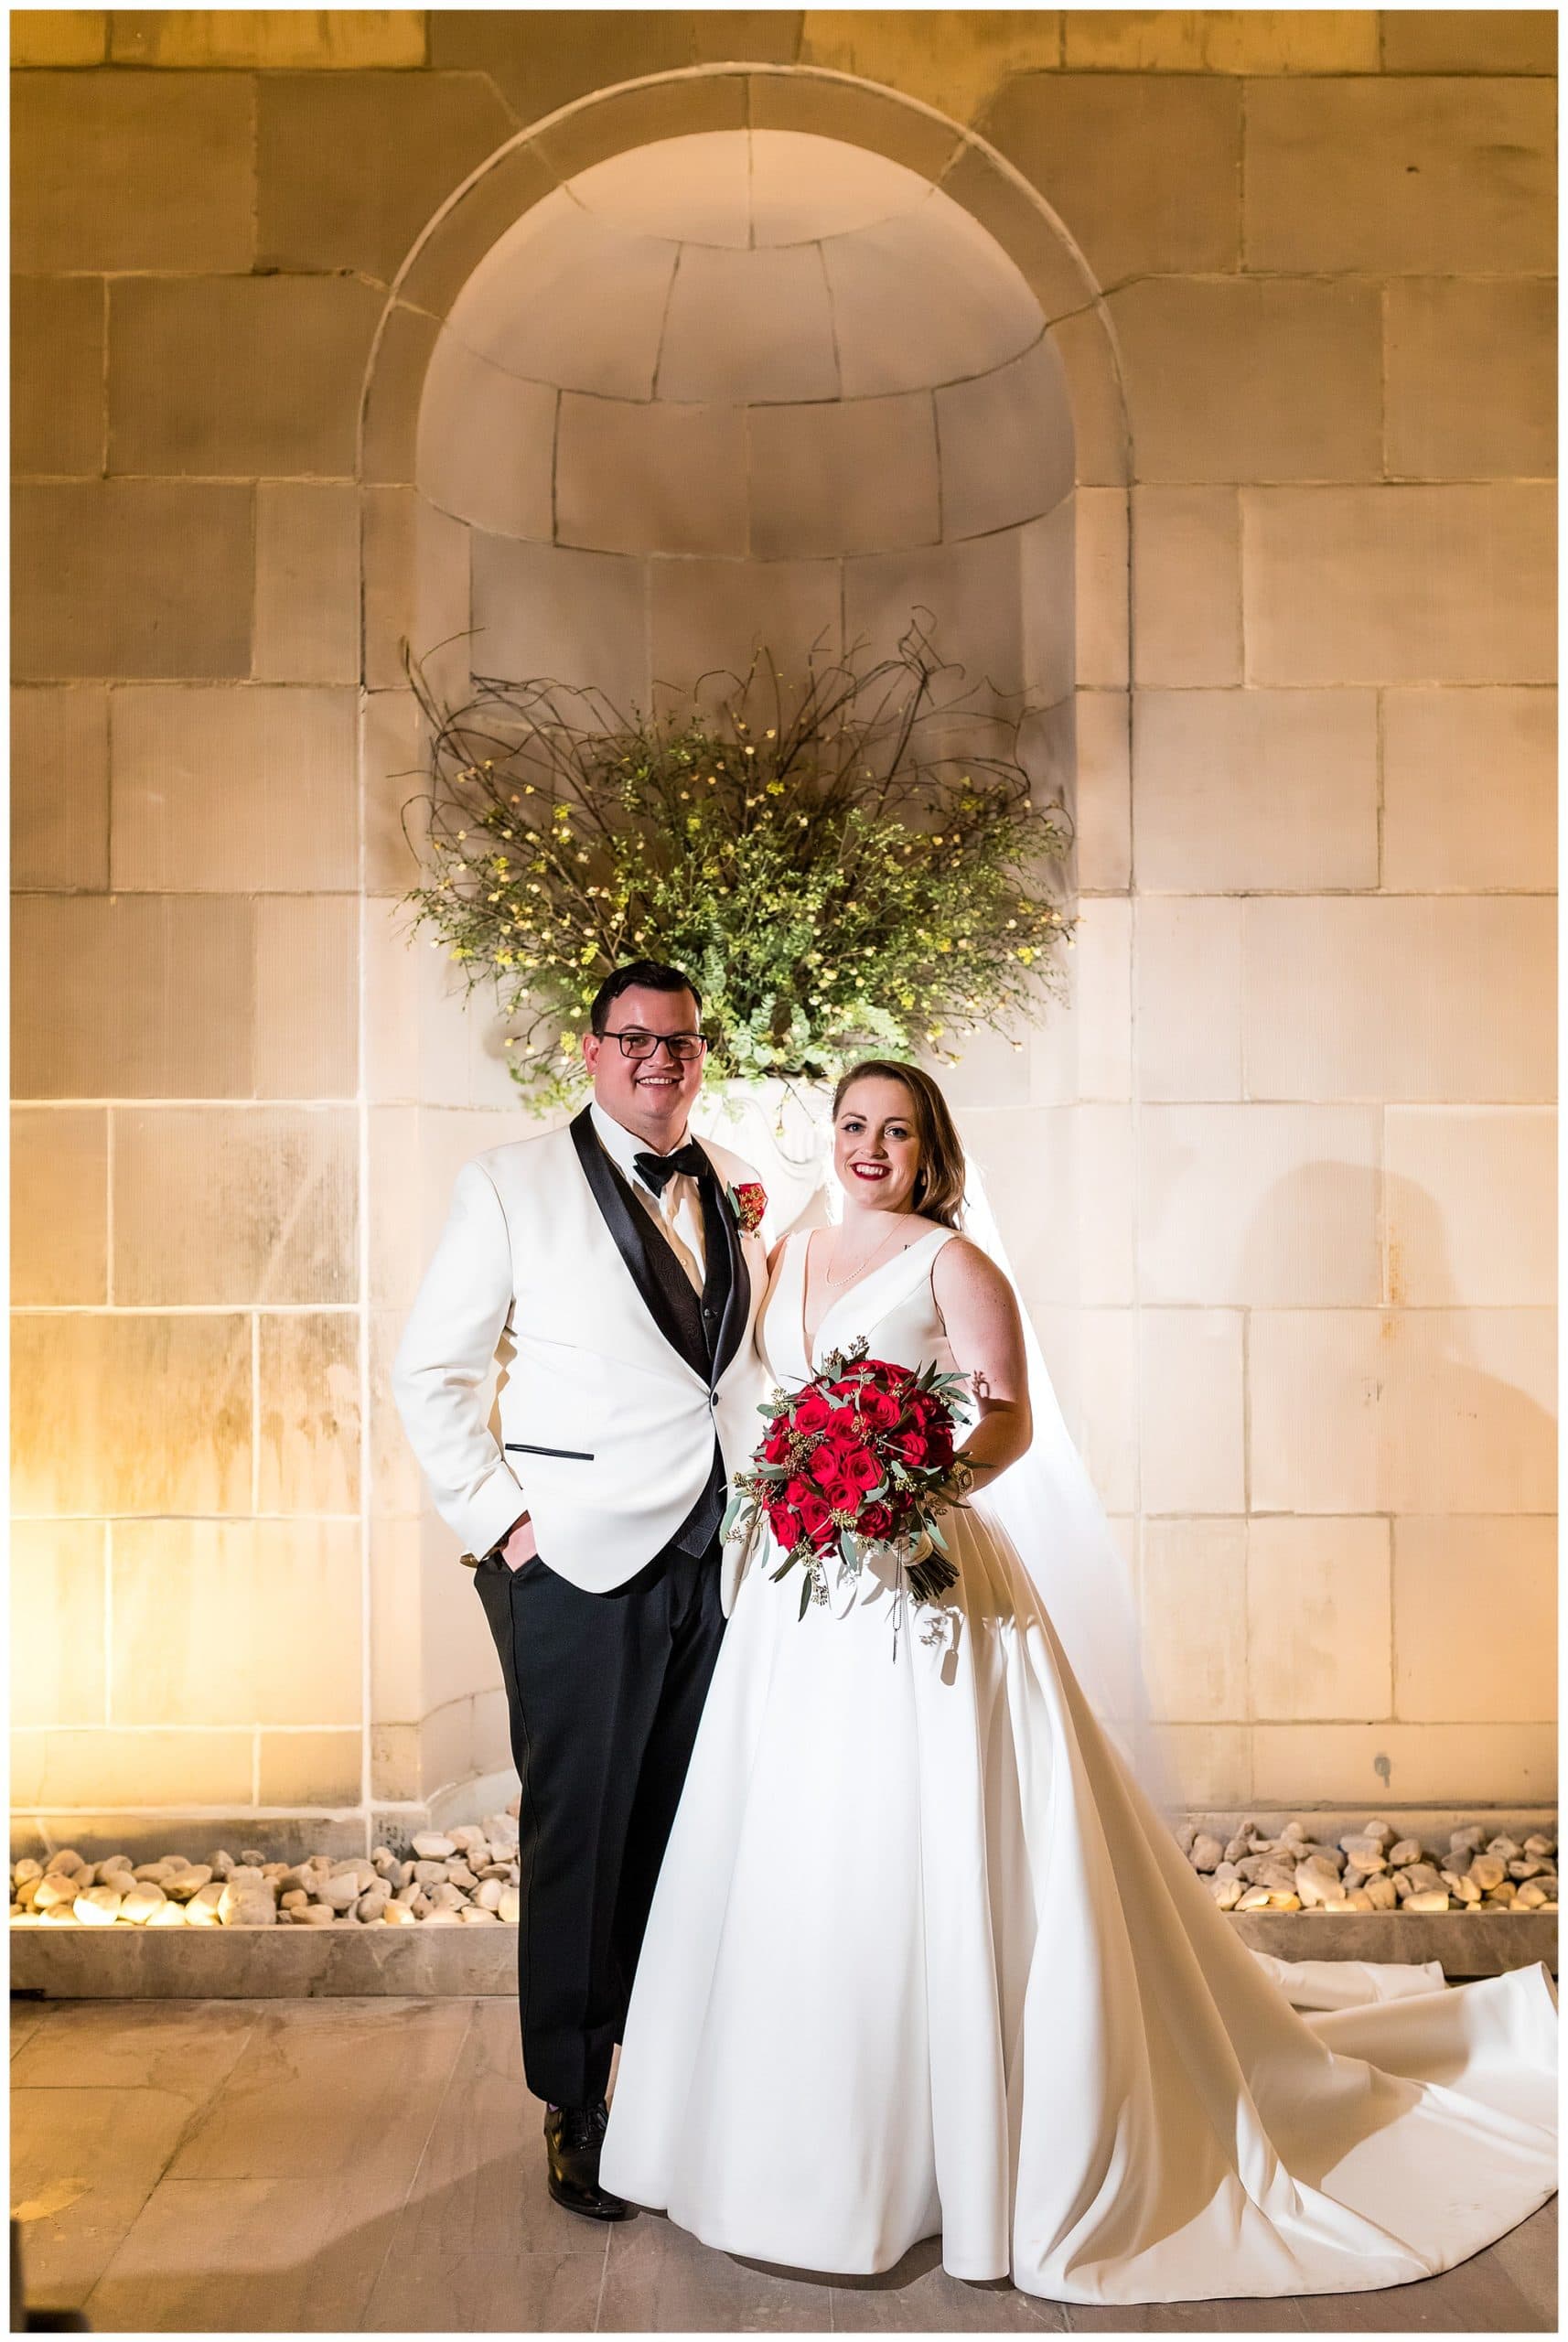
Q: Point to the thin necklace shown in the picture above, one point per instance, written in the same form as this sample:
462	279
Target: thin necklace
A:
857	1268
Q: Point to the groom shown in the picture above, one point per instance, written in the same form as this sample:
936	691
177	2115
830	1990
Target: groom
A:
614	1270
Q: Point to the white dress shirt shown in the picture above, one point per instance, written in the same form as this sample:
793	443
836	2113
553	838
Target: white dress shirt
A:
678	1212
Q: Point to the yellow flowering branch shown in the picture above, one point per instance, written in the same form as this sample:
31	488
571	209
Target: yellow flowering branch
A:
835	875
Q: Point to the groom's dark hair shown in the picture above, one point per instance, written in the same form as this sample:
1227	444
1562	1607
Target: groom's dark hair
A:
649	975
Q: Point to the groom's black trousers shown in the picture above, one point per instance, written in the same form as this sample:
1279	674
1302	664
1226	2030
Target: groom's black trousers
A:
605	1690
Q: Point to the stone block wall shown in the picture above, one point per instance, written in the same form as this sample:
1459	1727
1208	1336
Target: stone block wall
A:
1278	1186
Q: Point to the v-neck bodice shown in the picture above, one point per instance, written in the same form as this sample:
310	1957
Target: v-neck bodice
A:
891	1306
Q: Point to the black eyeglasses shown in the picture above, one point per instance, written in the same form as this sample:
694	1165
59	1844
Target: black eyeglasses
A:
639	1046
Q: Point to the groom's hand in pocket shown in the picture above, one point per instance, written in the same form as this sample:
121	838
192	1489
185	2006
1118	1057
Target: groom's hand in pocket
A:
519	1543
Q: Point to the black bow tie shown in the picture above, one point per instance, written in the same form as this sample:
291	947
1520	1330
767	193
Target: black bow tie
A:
658	1169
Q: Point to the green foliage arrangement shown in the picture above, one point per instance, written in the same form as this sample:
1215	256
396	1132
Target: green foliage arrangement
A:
837	879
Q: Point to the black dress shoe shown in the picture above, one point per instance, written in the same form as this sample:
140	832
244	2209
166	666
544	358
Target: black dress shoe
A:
572	2137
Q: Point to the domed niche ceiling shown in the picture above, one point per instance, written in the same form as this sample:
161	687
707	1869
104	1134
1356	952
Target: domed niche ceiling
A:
743	388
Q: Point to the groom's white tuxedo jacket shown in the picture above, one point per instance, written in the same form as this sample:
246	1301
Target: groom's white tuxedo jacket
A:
602	1429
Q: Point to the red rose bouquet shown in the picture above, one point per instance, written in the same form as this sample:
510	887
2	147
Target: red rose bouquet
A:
862	1455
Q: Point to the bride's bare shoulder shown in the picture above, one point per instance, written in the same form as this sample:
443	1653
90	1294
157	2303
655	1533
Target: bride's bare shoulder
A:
962	1267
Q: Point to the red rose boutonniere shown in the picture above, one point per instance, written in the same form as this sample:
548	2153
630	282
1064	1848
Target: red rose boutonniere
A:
748	1202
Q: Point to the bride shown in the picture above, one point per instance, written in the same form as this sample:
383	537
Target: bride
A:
925	1959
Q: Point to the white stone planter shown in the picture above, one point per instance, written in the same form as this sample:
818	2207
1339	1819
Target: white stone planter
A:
282	1963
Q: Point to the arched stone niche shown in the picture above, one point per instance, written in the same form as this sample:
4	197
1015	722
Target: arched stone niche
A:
713	359
744	387
721	353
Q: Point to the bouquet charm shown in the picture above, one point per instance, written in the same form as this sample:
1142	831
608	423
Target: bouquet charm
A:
860	1456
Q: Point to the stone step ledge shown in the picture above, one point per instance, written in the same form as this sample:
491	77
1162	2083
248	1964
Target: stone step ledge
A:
69	1962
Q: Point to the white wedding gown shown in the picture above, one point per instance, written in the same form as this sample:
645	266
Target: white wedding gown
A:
924	1959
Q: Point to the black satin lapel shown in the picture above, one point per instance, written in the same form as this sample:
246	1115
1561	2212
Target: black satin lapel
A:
619	1209
719	1230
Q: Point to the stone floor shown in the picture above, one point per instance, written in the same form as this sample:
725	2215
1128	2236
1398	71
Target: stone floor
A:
184	2167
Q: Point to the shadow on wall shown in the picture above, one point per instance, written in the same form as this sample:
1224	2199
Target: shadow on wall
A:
1364	1397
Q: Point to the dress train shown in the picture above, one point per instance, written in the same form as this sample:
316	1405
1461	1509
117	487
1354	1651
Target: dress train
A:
924	1959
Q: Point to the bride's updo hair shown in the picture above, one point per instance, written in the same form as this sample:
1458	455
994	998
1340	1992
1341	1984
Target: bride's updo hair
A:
939	1183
